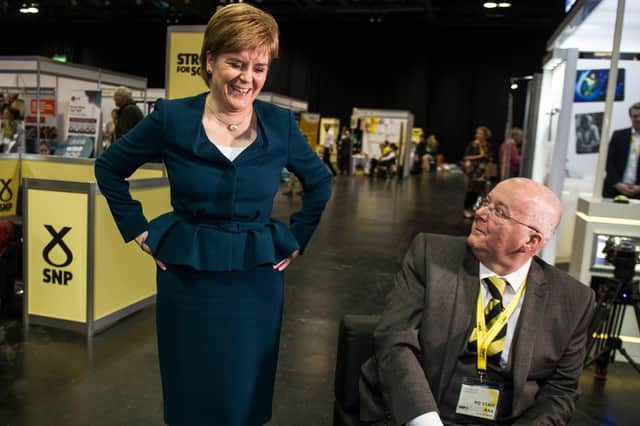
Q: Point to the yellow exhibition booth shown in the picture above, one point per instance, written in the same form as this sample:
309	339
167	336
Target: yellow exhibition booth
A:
78	273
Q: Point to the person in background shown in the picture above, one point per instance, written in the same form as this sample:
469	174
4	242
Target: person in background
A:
344	152
509	154
623	159
419	153
432	151
44	148
386	161
12	131
220	256
109	134
476	158
479	330
128	112
327	149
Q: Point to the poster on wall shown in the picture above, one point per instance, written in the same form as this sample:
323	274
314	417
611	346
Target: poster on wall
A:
591	85
83	124
48	120
183	63
588	128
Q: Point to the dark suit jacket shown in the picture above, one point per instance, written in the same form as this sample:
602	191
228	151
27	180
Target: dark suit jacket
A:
617	157
429	317
222	209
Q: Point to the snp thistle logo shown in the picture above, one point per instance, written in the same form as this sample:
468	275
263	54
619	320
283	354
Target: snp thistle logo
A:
53	275
6	195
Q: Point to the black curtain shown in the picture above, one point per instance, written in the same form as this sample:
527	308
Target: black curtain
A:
452	79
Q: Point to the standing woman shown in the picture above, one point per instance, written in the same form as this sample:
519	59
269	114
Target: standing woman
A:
220	256
476	157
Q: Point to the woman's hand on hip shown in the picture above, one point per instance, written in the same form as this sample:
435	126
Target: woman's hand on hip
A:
140	240
284	263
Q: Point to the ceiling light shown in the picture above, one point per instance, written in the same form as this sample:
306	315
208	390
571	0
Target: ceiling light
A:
31	8
490	5
504	4
514	86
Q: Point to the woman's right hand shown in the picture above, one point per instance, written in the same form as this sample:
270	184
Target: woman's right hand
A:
140	240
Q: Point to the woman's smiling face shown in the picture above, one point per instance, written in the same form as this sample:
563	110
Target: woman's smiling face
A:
238	77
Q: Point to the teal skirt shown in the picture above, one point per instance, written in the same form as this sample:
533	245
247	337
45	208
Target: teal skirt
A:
218	338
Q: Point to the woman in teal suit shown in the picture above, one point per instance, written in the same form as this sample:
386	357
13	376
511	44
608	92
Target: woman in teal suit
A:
220	256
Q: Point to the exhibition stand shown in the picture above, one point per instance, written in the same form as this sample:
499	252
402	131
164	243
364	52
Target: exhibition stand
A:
590	78
15	167
565	134
380	125
79	274
63	99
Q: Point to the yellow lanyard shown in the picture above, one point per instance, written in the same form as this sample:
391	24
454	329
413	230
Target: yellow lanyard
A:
485	336
635	143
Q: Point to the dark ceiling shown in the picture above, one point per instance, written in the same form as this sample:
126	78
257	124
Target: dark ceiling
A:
524	14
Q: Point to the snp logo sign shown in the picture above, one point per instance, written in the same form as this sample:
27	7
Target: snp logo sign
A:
6	195
57	274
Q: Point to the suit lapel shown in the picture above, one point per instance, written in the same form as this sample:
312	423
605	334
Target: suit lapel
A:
529	323
462	314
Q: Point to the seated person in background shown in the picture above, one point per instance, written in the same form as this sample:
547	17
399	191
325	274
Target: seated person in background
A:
484	310
623	159
387	160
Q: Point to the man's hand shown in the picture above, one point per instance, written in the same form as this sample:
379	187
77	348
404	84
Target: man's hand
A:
627	189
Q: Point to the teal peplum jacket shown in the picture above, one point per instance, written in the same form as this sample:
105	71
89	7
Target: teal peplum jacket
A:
221	218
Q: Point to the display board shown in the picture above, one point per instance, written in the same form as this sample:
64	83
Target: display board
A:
56	255
183	61
83	124
48	118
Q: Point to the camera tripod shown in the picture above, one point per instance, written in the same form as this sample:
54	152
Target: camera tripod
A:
613	296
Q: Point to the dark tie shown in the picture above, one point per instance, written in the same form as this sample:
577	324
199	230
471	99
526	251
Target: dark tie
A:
496	287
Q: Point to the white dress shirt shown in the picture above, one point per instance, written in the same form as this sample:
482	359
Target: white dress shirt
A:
515	280
328	139
630	172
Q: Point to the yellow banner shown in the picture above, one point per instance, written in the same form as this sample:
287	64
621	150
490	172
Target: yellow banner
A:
310	126
9	186
184	64
57	255
416	133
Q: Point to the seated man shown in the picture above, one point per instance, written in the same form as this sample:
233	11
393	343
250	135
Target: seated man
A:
480	330
387	161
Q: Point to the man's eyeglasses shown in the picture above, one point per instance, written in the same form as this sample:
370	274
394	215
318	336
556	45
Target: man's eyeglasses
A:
502	215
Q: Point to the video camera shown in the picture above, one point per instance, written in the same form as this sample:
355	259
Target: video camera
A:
623	254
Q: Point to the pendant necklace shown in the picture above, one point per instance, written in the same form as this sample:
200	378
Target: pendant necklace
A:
232	127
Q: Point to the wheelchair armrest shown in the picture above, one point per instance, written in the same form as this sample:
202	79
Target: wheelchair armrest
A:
355	346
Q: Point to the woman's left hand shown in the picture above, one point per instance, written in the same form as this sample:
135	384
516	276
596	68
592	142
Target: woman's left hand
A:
284	263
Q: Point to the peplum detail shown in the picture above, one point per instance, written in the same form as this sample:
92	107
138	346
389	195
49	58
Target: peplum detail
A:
210	245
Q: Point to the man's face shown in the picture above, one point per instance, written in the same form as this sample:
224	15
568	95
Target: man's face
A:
635	119
517	136
119	100
496	238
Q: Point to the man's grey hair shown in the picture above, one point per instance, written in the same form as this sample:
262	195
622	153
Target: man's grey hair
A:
123	91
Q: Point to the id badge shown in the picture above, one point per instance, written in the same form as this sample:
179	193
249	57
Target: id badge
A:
479	399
